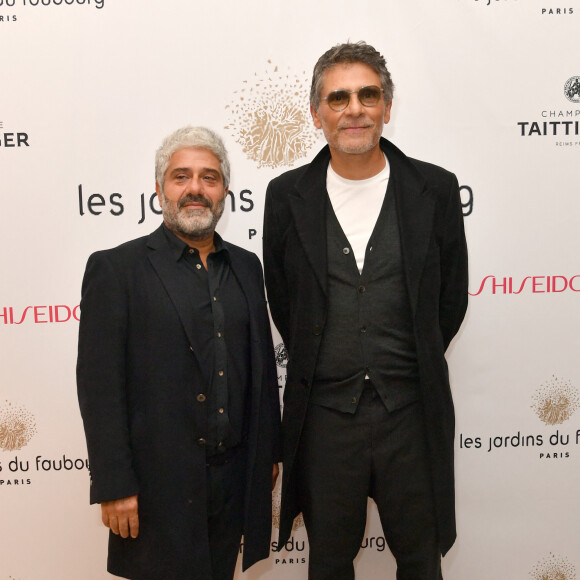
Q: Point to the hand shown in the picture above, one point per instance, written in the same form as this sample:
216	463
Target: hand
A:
121	516
275	472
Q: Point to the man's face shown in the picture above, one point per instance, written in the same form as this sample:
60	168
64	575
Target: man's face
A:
193	195
356	129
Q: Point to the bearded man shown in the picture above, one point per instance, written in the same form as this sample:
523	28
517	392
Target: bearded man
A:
177	383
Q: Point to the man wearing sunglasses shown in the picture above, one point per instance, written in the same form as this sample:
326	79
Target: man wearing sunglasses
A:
366	271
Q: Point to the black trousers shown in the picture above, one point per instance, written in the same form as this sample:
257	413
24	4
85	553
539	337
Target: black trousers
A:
225	510
343	459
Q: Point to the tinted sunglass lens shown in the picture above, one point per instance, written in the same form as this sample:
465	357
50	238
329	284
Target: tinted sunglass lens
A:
369	96
338	100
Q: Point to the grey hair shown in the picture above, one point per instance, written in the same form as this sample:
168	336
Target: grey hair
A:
350	53
191	137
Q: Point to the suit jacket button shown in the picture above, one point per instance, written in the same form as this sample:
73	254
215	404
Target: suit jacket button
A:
201	398
201	441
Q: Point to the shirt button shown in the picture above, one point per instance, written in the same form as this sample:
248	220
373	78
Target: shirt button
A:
371	249
191	251
215	298
353	400
362	289
191	348
363	329
201	397
198	266
221	373
346	250
219	334
221	411
201	441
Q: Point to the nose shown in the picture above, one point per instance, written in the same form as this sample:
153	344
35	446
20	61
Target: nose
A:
195	185
354	105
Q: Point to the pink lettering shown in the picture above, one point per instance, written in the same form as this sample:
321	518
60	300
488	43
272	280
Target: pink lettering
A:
56	313
523	284
494	285
24	315
38	314
536	282
481	286
554	283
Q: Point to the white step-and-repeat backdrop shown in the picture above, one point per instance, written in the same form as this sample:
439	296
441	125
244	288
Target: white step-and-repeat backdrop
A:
489	89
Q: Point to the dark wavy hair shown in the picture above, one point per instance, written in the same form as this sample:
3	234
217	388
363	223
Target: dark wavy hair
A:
347	53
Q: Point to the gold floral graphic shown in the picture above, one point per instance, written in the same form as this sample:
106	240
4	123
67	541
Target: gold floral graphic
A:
276	504
270	118
553	568
17	427
555	401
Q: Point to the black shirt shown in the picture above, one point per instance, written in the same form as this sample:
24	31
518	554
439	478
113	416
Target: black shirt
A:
222	323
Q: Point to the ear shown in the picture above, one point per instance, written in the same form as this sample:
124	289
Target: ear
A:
158	191
315	117
387	117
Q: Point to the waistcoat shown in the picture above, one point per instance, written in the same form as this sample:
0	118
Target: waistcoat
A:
368	336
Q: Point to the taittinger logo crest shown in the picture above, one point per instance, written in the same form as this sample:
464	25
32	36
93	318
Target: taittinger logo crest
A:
555	401
572	89
17	427
270	118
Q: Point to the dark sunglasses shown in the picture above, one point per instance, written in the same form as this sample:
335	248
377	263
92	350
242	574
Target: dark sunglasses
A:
367	96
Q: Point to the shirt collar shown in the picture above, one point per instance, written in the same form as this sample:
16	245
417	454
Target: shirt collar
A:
178	247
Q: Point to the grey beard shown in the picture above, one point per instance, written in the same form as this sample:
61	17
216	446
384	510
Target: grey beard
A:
194	224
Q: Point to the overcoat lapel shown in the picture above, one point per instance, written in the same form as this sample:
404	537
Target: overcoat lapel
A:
249	285
415	209
173	275
249	282
308	205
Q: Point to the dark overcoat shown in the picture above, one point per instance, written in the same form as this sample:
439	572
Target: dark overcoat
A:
435	267
138	378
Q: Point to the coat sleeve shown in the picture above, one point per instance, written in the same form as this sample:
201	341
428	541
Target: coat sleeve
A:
101	380
275	277
454	270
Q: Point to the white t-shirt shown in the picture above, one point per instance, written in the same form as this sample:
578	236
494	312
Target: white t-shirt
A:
357	204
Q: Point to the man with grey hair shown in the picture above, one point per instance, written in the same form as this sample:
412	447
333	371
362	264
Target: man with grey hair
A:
366	270
177	383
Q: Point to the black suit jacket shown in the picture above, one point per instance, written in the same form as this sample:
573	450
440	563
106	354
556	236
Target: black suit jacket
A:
435	267
138	378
